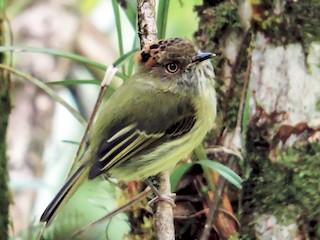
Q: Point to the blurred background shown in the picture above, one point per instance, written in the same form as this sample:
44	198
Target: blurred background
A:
43	136
268	90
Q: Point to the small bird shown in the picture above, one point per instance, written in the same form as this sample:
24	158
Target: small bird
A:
151	122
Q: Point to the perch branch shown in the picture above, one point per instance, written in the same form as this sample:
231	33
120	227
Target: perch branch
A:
147	26
147	30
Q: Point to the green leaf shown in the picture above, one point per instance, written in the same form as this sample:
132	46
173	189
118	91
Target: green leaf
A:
178	174
130	10
131	15
224	171
131	64
74	82
245	118
125	56
71	56
118	24
162	17
48	90
54	52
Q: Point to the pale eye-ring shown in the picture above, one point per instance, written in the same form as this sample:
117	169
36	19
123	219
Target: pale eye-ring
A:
172	67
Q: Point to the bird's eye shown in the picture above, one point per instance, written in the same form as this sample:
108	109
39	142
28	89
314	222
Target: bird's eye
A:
172	67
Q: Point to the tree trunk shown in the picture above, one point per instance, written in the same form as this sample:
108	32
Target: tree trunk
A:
5	106
278	42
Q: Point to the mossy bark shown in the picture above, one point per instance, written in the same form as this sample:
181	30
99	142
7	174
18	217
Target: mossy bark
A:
5	107
281	138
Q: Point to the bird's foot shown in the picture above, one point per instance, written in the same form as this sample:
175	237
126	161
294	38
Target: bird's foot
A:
168	198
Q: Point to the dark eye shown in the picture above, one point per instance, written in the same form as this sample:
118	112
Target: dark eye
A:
172	67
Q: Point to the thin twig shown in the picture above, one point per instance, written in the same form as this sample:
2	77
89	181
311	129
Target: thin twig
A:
110	72
42	231
213	209
193	215
123	208
205	211
222	149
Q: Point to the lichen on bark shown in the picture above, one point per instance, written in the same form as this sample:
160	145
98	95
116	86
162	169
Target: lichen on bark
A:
282	141
287	22
219	30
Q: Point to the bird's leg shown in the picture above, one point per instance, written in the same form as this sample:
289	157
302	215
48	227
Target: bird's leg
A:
169	198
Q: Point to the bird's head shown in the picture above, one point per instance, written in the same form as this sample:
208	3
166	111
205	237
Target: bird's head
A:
175	62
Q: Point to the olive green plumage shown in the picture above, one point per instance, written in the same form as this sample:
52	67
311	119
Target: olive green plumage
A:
152	121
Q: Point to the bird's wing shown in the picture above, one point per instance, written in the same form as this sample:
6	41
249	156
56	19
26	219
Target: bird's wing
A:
130	135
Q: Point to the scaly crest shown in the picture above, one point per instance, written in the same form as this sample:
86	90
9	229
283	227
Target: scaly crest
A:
167	50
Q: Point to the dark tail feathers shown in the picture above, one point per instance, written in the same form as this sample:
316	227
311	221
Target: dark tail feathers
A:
64	194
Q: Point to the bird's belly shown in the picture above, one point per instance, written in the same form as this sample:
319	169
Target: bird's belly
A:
163	157
167	155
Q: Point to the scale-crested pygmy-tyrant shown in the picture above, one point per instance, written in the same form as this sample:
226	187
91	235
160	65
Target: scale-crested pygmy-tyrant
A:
152	121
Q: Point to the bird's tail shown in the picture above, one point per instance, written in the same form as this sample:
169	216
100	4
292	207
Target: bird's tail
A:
62	197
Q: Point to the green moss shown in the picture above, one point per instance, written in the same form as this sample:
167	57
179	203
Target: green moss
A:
303	160
289	188
5	107
288	185
217	21
292	22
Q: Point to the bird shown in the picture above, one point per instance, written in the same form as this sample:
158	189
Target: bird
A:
152	121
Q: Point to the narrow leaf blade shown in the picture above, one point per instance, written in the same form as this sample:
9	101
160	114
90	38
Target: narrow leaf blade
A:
178	174
224	171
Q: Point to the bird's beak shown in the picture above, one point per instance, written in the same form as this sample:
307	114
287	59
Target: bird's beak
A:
202	56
